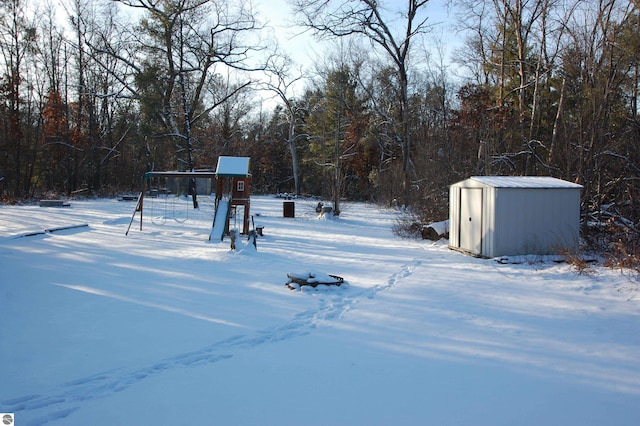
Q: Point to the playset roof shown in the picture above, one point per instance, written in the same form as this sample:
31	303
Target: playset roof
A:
227	167
233	167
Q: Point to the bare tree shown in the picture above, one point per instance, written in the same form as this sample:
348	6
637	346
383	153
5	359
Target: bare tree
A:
471	17
370	19
179	47
281	82
17	40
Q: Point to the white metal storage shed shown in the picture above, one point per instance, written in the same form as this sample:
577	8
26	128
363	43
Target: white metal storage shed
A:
492	216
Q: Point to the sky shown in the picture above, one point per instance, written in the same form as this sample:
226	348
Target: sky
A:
301	45
304	48
306	51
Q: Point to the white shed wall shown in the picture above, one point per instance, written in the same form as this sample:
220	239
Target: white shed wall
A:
454	216
535	221
489	221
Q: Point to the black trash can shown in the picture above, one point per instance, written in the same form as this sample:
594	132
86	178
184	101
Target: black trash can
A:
289	208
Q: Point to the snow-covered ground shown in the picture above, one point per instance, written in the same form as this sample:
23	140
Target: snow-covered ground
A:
163	327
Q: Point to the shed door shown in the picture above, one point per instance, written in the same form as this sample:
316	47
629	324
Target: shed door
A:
471	219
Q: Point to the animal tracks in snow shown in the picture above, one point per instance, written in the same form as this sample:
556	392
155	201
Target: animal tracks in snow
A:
63	400
404	272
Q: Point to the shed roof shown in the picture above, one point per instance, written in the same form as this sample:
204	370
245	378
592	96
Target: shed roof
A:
233	166
176	174
524	182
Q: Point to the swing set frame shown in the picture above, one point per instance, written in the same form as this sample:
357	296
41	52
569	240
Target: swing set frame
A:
149	175
232	179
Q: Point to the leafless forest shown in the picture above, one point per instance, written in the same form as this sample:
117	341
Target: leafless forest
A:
95	93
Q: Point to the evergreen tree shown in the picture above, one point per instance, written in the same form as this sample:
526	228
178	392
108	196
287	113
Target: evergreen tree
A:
333	129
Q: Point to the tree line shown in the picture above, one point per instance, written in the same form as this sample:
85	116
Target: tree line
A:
96	94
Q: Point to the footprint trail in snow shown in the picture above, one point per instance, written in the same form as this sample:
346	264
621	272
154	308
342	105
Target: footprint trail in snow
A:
63	400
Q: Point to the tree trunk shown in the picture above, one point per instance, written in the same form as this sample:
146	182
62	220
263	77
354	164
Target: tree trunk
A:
291	140
556	123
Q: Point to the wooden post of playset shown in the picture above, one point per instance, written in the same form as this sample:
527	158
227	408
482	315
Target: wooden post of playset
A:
139	207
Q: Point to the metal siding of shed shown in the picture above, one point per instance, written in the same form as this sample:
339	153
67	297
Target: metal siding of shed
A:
567	211
488	220
535	221
454	216
514	215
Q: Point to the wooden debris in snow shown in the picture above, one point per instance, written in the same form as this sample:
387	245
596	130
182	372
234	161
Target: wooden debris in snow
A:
312	279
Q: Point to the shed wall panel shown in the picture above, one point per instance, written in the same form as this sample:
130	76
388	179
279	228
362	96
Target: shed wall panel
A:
489	220
454	216
535	221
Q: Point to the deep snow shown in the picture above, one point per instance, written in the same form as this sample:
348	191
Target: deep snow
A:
164	327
